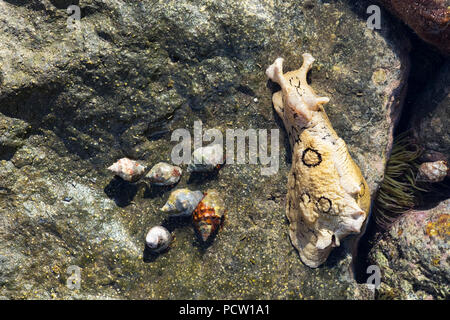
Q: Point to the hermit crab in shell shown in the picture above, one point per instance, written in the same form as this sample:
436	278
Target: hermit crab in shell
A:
164	174
129	170
182	202
209	214
158	239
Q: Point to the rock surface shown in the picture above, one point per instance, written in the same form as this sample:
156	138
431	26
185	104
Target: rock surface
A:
431	120
413	256
74	101
430	19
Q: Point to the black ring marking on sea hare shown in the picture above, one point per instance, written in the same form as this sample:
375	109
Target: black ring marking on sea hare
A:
319	157
322	203
308	200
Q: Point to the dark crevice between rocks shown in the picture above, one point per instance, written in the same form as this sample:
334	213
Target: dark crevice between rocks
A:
7	152
63	4
34	5
437	193
425	63
31	104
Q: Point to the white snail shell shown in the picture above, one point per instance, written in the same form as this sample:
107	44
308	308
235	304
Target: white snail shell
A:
158	239
433	171
206	159
127	169
164	174
183	201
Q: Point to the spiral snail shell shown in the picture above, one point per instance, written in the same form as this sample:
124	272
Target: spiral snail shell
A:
158	239
209	214
183	202
207	159
128	170
164	174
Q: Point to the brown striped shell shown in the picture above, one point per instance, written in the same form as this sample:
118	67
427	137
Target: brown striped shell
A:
209	214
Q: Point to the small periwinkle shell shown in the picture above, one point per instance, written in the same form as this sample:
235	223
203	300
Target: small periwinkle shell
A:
433	171
128	170
164	174
207	159
183	202
158	239
209	214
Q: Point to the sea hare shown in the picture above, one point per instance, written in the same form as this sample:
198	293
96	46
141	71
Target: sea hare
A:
327	196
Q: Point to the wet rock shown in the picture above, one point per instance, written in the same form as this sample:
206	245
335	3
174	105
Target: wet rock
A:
13	133
430	19
119	84
431	120
413	256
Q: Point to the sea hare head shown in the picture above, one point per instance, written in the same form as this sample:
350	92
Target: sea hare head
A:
319	224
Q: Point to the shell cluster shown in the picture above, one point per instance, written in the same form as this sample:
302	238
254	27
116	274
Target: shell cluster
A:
161	174
207	210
